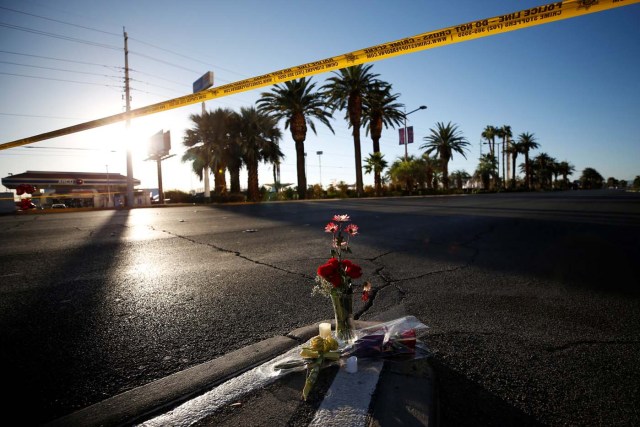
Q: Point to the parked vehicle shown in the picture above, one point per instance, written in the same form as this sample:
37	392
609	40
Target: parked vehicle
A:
58	206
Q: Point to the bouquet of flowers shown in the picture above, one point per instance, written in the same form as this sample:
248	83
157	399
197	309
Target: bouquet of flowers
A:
336	276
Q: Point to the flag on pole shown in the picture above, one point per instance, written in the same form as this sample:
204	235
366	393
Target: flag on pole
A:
401	132
410	134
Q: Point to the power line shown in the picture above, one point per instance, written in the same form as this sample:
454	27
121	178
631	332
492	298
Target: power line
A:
158	86
118	35
61	22
61	59
67	148
41	117
59	80
59	69
150	93
163	61
170	51
184	56
58	36
160	78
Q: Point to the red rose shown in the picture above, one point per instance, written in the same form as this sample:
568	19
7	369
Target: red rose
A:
330	271
352	270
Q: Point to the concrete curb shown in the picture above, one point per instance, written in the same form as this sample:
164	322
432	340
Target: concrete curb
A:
138	404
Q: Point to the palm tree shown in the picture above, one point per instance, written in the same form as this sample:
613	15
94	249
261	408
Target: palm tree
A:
409	172
233	154
565	169
505	133
514	149
379	108
258	137
528	142
543	166
431	168
375	163
297	104
460	176
490	133
346	90
207	142
486	165
591	179
445	140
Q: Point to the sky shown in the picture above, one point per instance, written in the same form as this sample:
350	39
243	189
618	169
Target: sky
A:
572	83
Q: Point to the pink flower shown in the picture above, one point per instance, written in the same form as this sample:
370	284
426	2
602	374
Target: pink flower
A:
351	229
332	227
341	218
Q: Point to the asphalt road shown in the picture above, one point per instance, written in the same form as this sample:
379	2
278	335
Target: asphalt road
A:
533	300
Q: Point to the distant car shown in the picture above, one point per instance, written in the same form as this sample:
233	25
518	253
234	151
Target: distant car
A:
58	206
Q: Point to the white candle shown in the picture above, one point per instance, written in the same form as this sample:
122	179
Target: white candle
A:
325	330
352	365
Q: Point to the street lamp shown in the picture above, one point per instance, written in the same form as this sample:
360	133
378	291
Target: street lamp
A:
406	140
319	153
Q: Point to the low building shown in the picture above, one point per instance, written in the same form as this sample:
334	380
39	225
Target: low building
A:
76	189
7	203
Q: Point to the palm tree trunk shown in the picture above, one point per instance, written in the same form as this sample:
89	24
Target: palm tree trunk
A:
513	170
377	181
220	181
302	179
376	172
234	176
504	176
445	171
253	189
358	159
207	186
527	171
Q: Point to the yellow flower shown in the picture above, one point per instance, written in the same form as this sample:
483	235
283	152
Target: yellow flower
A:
330	344
317	343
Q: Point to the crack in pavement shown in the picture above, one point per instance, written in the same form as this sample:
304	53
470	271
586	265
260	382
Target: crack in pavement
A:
238	254
395	282
377	272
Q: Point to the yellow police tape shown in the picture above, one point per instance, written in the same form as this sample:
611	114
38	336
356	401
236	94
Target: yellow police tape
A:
472	30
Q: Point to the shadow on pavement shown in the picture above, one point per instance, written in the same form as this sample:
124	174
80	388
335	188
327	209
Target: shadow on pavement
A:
463	403
49	340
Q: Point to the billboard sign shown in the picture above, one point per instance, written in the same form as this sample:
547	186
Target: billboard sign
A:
204	82
160	144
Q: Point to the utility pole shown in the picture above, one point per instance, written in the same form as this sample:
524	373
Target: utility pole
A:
203	83
130	201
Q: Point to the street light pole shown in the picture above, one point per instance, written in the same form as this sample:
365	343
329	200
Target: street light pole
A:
406	140
319	153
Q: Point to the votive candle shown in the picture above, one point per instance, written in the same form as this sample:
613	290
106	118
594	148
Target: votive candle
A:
325	330
352	365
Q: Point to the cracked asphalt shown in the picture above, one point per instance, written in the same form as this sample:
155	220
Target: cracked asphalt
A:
532	299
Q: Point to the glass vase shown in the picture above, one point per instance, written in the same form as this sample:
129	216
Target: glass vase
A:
345	326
